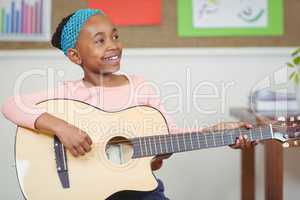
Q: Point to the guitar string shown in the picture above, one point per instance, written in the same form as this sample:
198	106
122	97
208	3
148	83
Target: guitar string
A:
166	139
205	133
166	149
261	129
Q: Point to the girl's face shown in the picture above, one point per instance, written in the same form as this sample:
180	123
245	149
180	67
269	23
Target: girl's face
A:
98	46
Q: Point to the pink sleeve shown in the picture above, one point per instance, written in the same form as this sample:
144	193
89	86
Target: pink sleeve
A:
22	109
148	90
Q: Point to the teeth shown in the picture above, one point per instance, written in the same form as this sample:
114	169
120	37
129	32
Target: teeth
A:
111	58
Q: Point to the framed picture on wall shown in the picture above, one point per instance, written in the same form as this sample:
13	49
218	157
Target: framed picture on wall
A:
208	18
25	20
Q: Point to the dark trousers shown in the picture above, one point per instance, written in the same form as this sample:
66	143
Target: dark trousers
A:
157	194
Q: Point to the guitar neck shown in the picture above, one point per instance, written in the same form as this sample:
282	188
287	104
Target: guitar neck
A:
175	143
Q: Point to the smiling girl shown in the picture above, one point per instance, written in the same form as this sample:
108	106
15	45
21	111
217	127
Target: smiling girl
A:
89	39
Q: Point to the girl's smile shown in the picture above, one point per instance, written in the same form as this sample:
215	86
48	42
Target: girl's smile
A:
112	58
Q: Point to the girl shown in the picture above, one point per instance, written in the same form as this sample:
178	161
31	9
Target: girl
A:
89	39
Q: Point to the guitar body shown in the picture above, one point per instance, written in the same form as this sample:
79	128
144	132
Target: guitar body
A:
101	172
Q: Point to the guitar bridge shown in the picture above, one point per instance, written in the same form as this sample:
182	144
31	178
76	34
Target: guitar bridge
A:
61	163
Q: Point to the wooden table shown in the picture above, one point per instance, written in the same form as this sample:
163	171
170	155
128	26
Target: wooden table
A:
273	159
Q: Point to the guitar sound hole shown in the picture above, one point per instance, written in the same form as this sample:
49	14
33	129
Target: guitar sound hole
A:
119	150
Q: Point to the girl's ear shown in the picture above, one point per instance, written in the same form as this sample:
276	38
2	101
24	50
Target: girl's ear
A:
74	56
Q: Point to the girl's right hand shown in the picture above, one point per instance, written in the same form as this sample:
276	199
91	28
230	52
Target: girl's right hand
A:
75	140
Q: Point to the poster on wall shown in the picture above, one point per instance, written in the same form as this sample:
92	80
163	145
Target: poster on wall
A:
230	18
130	12
25	20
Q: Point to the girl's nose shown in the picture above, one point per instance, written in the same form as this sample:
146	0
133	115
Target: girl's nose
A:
112	45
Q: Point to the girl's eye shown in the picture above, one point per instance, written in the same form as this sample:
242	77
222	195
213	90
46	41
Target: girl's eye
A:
115	37
101	41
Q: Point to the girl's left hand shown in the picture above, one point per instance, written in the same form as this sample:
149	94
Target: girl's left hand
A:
242	142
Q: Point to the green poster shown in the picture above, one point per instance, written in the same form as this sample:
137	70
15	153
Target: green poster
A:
208	18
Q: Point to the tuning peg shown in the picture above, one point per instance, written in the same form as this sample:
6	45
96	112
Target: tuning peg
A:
295	143
281	119
285	145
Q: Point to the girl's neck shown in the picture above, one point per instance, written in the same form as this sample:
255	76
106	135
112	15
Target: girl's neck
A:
103	80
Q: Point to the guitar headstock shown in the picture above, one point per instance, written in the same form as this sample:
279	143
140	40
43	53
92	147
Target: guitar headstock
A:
287	130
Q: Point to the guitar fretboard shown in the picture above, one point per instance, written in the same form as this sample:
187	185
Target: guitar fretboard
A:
174	143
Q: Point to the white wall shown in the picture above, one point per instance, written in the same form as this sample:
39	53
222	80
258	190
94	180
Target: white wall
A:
228	74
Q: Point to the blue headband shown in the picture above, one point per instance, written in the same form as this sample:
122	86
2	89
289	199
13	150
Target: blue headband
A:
72	28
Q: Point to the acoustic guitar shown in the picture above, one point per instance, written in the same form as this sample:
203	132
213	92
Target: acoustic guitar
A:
124	143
